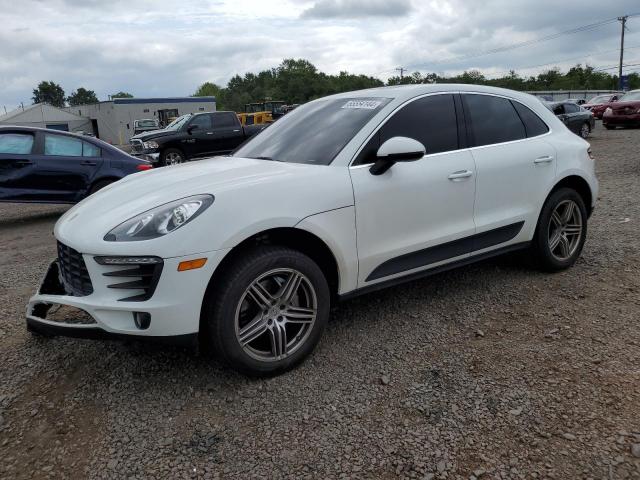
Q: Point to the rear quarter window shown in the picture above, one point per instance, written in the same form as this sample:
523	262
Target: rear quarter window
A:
492	120
533	124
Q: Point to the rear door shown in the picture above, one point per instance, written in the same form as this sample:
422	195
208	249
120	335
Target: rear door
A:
67	166
16	164
228	131
515	168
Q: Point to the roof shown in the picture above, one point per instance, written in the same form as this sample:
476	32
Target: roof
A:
47	113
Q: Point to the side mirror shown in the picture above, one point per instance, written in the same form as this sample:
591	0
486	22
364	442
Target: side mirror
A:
397	149
191	128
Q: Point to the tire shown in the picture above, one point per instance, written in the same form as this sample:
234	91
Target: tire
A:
99	186
559	239
231	306
609	127
585	130
171	156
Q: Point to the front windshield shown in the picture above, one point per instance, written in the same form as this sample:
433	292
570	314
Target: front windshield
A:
146	123
313	133
601	99
178	122
630	97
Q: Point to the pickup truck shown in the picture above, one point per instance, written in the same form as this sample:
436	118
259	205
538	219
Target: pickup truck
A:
191	136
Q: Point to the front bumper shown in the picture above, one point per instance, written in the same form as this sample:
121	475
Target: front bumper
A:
149	157
174	308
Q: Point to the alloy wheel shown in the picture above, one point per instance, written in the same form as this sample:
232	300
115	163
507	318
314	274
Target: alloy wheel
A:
585	130
173	158
276	314
565	230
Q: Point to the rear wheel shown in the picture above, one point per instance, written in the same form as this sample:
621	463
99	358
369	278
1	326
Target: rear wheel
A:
585	130
561	230
267	312
171	156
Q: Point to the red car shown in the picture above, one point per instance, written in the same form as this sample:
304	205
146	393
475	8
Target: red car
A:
599	104
623	113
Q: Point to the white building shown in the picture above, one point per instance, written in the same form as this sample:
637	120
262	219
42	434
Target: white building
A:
112	121
46	116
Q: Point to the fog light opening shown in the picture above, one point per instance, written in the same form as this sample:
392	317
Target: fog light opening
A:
142	320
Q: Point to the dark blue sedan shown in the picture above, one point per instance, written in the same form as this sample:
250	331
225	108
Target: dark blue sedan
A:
49	166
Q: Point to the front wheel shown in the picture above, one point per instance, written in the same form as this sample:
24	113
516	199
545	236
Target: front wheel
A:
267	312
171	156
585	130
561	230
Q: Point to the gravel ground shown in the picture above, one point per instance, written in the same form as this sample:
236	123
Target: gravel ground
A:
489	371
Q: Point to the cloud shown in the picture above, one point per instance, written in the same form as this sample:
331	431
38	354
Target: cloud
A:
170	47
358	9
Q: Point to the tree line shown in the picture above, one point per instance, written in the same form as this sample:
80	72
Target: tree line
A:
298	81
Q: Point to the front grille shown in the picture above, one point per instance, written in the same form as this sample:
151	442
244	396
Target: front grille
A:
141	280
73	271
136	146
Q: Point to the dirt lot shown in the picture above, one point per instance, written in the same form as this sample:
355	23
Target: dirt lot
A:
491	371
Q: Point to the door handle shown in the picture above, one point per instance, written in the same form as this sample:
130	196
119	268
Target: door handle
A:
236	131
545	159
460	175
88	163
23	162
209	133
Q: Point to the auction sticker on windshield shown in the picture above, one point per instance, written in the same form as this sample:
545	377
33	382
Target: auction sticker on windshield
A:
365	104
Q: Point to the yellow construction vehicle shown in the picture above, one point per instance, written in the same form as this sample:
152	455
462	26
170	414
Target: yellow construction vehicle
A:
258	113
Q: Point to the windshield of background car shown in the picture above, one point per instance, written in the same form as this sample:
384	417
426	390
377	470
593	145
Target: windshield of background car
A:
630	97
178	122
601	99
313	133
146	123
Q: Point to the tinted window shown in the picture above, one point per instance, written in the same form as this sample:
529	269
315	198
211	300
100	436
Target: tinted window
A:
225	120
533	124
57	145
202	121
16	143
90	150
430	120
492	119
313	133
571	108
558	109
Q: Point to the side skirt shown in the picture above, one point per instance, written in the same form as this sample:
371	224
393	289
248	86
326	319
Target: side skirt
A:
432	271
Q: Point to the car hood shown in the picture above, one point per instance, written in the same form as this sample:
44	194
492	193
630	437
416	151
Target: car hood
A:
249	194
622	105
144	136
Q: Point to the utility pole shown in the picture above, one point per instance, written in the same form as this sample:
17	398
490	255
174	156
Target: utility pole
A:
401	70
623	21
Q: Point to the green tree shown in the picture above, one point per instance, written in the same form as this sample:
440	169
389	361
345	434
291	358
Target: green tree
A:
49	92
121	95
82	96
210	89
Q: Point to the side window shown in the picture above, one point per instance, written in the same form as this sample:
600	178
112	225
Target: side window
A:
558	109
90	150
430	120
57	145
16	143
492	119
571	108
202	121
225	120
533	124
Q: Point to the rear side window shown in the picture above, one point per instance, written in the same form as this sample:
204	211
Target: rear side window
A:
571	108
492	119
430	120
16	143
533	124
225	120
57	145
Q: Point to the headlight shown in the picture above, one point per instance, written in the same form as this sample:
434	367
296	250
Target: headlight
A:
150	145
160	220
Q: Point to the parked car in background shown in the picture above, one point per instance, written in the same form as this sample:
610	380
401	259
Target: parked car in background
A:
145	125
50	166
599	104
247	253
576	118
623	113
191	136
577	101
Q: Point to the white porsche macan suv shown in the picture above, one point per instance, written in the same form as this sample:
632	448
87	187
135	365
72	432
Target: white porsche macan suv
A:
342	196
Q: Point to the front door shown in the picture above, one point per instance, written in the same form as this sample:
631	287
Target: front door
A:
419	214
16	164
200	140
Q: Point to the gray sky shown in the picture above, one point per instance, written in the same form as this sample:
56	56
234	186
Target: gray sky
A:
169	47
